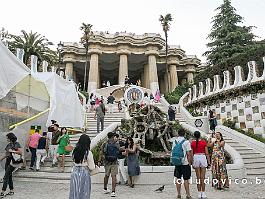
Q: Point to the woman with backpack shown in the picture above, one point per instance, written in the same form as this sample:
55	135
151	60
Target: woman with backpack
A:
132	161
13	160
201	161
80	183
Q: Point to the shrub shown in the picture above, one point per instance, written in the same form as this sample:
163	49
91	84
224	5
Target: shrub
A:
173	97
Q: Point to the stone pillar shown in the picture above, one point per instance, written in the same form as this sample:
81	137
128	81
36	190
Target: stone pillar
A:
146	76
123	68
173	77
153	73
69	68
93	73
190	77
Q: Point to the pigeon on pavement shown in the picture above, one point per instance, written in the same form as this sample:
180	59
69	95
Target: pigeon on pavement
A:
160	188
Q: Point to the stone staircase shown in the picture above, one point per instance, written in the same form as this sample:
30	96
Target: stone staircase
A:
46	173
254	161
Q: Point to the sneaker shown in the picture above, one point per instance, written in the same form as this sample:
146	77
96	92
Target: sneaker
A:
179	196
106	191
204	195
188	197
113	194
53	165
31	168
200	195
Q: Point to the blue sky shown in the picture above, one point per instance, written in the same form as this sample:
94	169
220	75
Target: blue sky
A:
60	20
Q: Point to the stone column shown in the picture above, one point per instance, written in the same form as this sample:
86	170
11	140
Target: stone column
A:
173	77
123	68
69	68
146	76
93	73
190	77
153	73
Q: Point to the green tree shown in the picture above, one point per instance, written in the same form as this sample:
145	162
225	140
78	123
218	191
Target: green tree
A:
33	44
231	45
227	37
87	32
165	22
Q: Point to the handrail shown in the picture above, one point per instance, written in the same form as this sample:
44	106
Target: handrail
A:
29	119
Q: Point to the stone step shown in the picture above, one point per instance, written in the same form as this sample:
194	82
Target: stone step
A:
257	172
250	152
242	149
232	142
252	156
255	166
253	160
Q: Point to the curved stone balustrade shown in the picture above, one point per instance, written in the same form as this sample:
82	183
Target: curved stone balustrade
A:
205	90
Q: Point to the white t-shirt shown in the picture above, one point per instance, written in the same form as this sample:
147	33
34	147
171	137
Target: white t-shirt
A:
186	148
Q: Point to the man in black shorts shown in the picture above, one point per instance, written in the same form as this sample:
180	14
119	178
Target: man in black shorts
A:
183	170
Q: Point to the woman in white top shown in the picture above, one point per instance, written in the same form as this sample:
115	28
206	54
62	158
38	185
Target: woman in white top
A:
80	184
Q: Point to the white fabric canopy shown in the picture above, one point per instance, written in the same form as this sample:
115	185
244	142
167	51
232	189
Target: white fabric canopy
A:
64	102
40	91
12	70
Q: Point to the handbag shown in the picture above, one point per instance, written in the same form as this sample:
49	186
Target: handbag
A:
16	158
68	148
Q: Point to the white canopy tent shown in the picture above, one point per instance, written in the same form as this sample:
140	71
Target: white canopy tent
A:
40	91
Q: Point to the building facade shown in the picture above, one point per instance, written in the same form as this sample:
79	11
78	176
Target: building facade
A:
114	56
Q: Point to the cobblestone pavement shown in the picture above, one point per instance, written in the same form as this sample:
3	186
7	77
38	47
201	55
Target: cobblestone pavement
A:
33	190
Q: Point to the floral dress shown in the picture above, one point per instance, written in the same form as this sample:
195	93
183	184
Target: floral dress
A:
219	172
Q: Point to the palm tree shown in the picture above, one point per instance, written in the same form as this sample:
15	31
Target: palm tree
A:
165	22
33	44
86	28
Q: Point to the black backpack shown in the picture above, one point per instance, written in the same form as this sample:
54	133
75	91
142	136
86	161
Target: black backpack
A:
112	151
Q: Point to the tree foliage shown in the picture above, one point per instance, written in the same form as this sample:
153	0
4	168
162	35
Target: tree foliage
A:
86	33
227	37
33	44
174	96
231	44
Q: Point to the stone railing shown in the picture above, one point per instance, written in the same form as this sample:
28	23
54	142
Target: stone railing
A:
259	146
211	87
103	134
200	122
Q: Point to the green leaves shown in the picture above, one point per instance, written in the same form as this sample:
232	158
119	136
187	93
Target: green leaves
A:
33	44
227	37
173	97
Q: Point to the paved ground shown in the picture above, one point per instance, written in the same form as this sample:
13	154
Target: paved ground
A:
24	190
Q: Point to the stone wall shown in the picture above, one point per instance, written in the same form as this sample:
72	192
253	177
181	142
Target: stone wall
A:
245	107
247	111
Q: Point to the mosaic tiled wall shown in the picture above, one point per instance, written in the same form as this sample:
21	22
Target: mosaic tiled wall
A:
248	112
